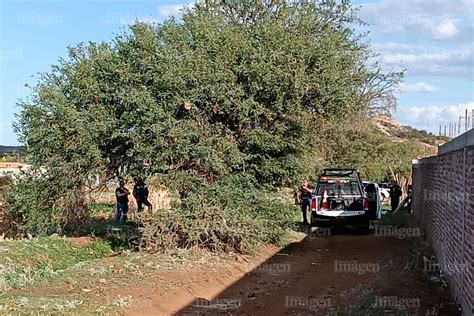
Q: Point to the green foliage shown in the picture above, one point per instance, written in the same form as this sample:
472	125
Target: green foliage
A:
231	215
43	204
358	143
232	93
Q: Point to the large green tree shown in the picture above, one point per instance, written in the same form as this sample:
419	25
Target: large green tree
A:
232	88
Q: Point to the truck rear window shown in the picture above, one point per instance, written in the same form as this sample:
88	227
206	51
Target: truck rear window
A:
350	188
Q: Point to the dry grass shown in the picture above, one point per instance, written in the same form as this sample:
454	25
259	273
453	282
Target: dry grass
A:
160	197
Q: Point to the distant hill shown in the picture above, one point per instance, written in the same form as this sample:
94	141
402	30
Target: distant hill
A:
397	132
11	149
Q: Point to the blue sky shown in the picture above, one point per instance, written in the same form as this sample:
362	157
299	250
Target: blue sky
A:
433	39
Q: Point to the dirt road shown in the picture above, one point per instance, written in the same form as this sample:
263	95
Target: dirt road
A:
343	274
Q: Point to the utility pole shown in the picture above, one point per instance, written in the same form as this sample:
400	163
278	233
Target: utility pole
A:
465	122
472	118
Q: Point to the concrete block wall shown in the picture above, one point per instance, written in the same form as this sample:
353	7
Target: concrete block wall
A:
443	202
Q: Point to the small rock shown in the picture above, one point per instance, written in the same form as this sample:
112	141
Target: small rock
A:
102	281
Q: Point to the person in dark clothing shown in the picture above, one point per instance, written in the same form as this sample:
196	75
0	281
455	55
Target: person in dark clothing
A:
410	196
395	194
304	198
140	192
121	194
371	193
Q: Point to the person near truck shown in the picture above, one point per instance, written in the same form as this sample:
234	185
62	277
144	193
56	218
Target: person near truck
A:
410	197
121	194
395	194
304	199
140	192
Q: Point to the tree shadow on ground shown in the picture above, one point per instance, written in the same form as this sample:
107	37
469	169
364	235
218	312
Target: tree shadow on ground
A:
307	278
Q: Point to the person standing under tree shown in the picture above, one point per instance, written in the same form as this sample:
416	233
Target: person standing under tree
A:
395	194
304	198
121	194
140	192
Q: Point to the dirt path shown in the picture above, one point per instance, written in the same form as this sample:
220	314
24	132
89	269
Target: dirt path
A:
344	273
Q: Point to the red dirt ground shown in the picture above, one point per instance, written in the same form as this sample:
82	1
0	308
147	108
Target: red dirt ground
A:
300	279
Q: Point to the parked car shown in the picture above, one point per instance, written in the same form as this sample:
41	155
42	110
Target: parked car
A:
339	198
384	191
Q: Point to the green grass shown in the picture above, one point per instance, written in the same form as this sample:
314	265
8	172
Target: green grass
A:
27	262
398	219
50	276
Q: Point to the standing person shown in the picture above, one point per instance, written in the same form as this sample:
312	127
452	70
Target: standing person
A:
140	192
121	194
410	196
304	197
395	194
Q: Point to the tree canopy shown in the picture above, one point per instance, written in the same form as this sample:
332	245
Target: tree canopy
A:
232	88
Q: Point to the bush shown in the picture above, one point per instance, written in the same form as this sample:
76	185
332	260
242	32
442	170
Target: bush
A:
39	205
231	215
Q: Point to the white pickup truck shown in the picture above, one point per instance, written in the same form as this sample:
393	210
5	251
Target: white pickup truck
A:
339	198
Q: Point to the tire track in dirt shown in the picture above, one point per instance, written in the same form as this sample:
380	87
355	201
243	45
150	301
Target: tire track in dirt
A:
300	279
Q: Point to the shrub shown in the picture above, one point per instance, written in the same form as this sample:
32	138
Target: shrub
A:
230	215
39	205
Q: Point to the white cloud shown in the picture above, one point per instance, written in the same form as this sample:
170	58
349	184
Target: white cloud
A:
416	87
437	35
431	117
149	20
428	60
446	29
174	10
432	19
